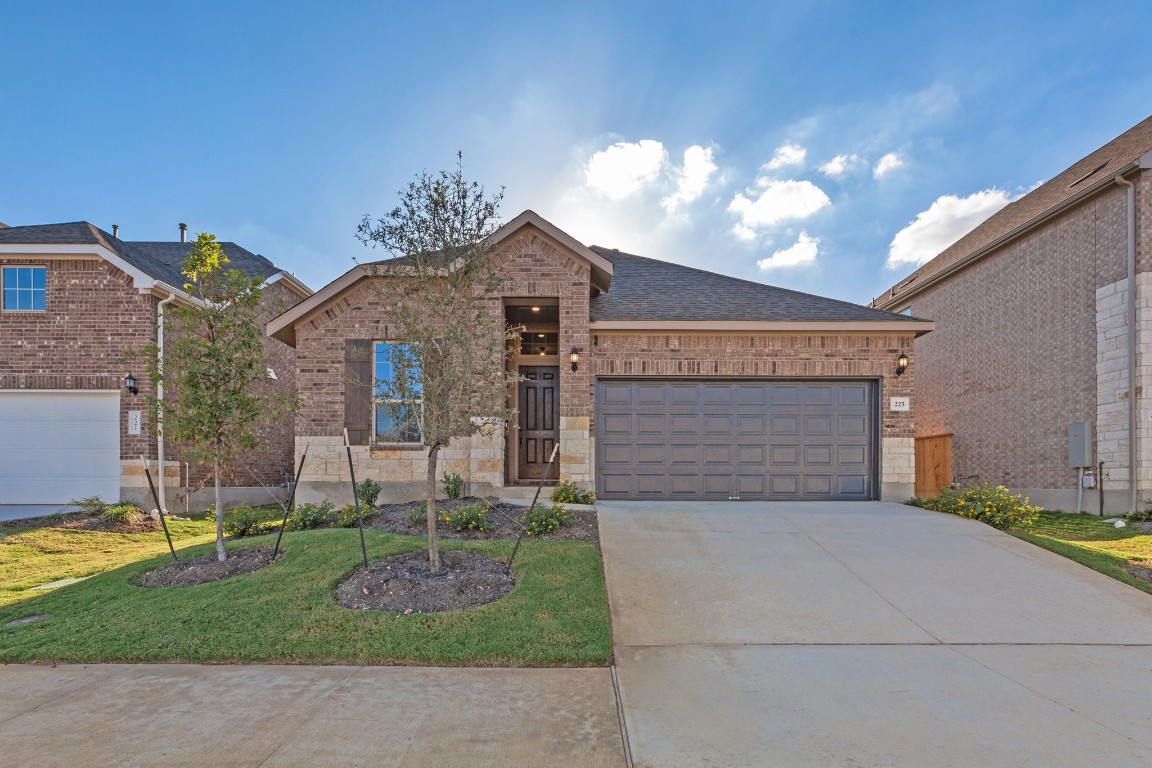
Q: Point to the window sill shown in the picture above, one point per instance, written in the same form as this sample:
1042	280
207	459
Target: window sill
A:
378	448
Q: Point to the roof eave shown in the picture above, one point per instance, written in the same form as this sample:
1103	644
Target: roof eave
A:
913	326
600	266
892	299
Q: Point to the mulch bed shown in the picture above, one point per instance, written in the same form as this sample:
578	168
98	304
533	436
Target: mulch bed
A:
394	519
1140	572
202	570
405	585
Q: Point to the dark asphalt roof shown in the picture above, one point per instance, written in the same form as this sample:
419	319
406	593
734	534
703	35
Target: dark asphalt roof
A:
648	289
159	260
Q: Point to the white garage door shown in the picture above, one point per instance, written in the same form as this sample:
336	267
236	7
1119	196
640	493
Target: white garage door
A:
59	445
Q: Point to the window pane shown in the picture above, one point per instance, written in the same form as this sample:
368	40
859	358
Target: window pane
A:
396	423
23	277
38	300
10	298
38	275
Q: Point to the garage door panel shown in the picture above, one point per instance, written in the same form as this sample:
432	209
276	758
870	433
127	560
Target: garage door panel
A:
59	445
737	438
616	393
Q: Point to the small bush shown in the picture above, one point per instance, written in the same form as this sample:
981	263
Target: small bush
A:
453	485
470	517
245	521
418	514
367	491
90	505
122	514
308	516
346	517
568	492
546	518
989	504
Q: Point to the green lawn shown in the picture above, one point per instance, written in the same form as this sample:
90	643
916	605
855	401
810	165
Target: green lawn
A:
557	615
1091	542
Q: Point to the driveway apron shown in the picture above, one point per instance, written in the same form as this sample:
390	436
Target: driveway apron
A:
867	634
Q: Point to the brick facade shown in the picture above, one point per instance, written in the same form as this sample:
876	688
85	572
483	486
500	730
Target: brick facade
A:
1029	338
535	266
93	317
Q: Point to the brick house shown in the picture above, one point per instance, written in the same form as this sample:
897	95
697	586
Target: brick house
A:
73	300
689	384
1034	325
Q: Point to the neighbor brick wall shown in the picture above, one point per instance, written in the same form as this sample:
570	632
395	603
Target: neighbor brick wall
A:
1013	358
92	317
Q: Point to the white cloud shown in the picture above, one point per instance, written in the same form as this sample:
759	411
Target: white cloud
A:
778	201
886	165
947	220
786	155
623	168
800	254
693	178
840	165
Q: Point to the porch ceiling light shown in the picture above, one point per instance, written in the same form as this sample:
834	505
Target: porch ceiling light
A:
901	364
130	384
574	358
535	309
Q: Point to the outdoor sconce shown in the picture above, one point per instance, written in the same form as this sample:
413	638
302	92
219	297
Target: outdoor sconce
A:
574	358
901	364
130	384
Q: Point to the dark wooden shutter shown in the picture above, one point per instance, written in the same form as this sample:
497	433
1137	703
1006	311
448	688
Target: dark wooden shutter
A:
358	386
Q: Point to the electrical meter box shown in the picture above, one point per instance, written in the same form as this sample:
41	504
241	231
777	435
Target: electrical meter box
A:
1080	444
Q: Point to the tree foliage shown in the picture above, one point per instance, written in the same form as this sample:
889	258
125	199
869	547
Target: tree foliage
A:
444	315
213	365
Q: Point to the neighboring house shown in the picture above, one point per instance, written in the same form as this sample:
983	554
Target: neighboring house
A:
688	384
1033	318
73	301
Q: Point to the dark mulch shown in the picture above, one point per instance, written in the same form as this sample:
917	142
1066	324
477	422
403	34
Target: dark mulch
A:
394	519
202	570
404	584
78	521
1140	572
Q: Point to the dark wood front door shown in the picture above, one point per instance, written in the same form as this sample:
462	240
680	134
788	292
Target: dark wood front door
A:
539	406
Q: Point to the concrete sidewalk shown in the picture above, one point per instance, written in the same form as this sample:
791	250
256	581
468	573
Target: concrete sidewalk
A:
277	716
867	634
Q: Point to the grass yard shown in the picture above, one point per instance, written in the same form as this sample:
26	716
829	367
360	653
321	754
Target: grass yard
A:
1090	541
557	615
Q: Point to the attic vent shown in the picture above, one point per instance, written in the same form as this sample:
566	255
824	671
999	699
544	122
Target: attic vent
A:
1088	175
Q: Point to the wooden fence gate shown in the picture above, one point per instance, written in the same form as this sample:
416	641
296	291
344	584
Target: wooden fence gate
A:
933	465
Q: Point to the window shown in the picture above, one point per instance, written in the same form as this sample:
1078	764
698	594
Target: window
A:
24	288
396	420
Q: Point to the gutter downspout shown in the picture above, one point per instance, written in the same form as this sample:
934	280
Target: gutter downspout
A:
160	399
1133	434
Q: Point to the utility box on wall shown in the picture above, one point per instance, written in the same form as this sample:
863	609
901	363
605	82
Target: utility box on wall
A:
1080	444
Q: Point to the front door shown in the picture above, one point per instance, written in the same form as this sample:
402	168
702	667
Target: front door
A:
539	420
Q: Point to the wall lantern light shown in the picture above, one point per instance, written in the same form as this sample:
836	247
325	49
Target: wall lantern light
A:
901	364
574	358
130	384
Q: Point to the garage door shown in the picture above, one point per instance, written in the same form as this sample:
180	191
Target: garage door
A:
779	439
57	446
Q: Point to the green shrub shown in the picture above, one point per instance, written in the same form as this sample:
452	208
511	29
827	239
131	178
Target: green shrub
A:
123	514
453	485
470	517
418	514
988	504
346	517
367	491
90	505
245	521
568	492
307	516
545	518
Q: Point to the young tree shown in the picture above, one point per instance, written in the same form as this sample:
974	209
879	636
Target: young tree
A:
212	365
448	377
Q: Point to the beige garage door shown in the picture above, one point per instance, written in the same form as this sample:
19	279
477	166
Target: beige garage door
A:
737	439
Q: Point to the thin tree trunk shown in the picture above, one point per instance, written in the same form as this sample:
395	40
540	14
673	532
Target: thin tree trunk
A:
430	505
220	554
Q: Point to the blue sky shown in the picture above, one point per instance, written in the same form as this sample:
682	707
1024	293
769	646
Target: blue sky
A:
791	144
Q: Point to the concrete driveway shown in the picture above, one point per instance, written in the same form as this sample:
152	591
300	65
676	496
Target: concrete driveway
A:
867	634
